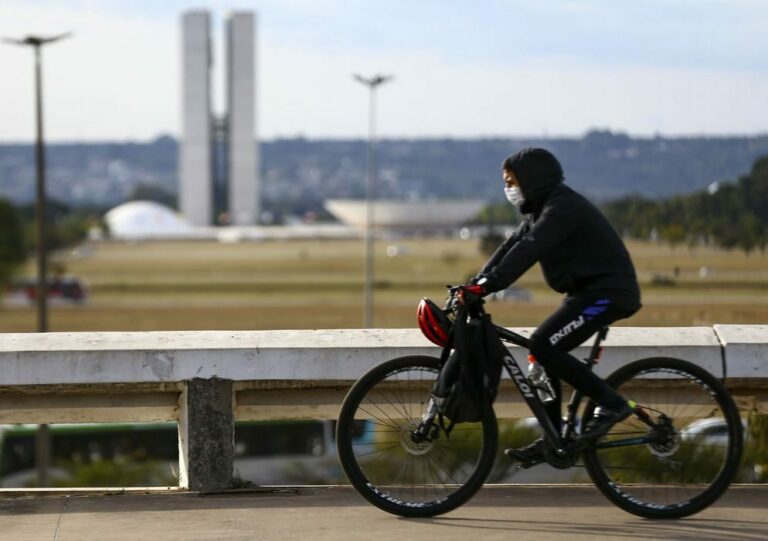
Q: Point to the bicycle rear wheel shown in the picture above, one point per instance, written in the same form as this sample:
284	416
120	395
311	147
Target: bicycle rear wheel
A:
687	461
391	469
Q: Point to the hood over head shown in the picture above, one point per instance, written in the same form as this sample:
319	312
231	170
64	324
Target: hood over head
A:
538	171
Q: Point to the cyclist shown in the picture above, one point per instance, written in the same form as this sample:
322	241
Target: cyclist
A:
582	256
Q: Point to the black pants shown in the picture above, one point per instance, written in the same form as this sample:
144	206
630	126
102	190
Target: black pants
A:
580	316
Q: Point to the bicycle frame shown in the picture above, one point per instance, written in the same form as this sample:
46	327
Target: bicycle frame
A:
517	375
561	441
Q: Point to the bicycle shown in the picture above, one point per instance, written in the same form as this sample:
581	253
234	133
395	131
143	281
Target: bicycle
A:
654	464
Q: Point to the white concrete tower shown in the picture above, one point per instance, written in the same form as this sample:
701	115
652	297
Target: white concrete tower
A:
196	152
242	156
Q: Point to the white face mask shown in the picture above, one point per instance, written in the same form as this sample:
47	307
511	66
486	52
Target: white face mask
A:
514	195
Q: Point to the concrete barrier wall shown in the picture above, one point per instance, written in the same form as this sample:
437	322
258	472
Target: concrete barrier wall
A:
167	357
148	376
745	350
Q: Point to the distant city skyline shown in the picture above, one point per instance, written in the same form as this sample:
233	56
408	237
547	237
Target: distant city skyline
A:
480	69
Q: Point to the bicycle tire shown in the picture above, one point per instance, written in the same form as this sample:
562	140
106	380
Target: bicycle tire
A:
386	467
687	468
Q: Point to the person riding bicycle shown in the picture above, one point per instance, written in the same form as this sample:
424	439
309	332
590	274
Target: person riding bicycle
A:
580	255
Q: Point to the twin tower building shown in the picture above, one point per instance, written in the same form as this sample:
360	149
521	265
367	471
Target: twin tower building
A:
223	148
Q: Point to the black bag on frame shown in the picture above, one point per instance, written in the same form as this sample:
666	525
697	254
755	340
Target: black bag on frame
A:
470	371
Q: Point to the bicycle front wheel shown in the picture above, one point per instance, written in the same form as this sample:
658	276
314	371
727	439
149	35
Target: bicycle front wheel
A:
403	475
687	460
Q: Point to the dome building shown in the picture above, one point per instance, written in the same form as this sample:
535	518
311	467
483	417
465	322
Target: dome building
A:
406	215
139	220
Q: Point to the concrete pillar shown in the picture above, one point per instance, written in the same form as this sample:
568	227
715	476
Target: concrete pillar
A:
206	434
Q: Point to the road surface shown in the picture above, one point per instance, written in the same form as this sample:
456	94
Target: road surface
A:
511	513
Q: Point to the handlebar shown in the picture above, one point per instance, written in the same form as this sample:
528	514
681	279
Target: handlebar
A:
458	296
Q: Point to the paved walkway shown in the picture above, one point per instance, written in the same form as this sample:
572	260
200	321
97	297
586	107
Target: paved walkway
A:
516	513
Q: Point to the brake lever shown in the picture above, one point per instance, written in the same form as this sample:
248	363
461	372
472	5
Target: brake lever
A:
450	303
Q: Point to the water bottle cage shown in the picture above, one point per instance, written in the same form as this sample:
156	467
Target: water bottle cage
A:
539	381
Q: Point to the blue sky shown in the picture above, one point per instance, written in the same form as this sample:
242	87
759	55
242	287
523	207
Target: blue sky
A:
462	68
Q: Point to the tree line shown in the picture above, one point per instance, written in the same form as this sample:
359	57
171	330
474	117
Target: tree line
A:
728	215
64	227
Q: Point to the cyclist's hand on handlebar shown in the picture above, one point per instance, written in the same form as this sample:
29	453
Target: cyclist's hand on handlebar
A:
475	289
477	286
459	294
471	293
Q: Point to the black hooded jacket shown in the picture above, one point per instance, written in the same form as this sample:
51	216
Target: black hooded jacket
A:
576	246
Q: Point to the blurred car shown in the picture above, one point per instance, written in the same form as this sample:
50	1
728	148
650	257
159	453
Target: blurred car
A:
61	289
712	431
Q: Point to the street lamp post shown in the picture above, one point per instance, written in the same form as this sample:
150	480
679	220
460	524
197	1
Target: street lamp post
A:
370	193
42	450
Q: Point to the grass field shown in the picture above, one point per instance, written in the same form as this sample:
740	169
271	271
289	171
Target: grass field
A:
318	284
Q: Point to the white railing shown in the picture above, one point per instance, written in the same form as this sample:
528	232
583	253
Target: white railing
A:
206	380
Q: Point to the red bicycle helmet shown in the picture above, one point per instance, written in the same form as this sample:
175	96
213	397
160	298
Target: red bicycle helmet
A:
433	322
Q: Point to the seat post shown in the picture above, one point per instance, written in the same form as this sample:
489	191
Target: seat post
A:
594	353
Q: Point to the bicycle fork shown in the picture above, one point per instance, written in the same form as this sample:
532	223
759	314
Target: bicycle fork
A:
422	432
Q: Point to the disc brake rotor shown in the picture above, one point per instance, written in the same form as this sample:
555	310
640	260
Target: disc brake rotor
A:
666	439
407	441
